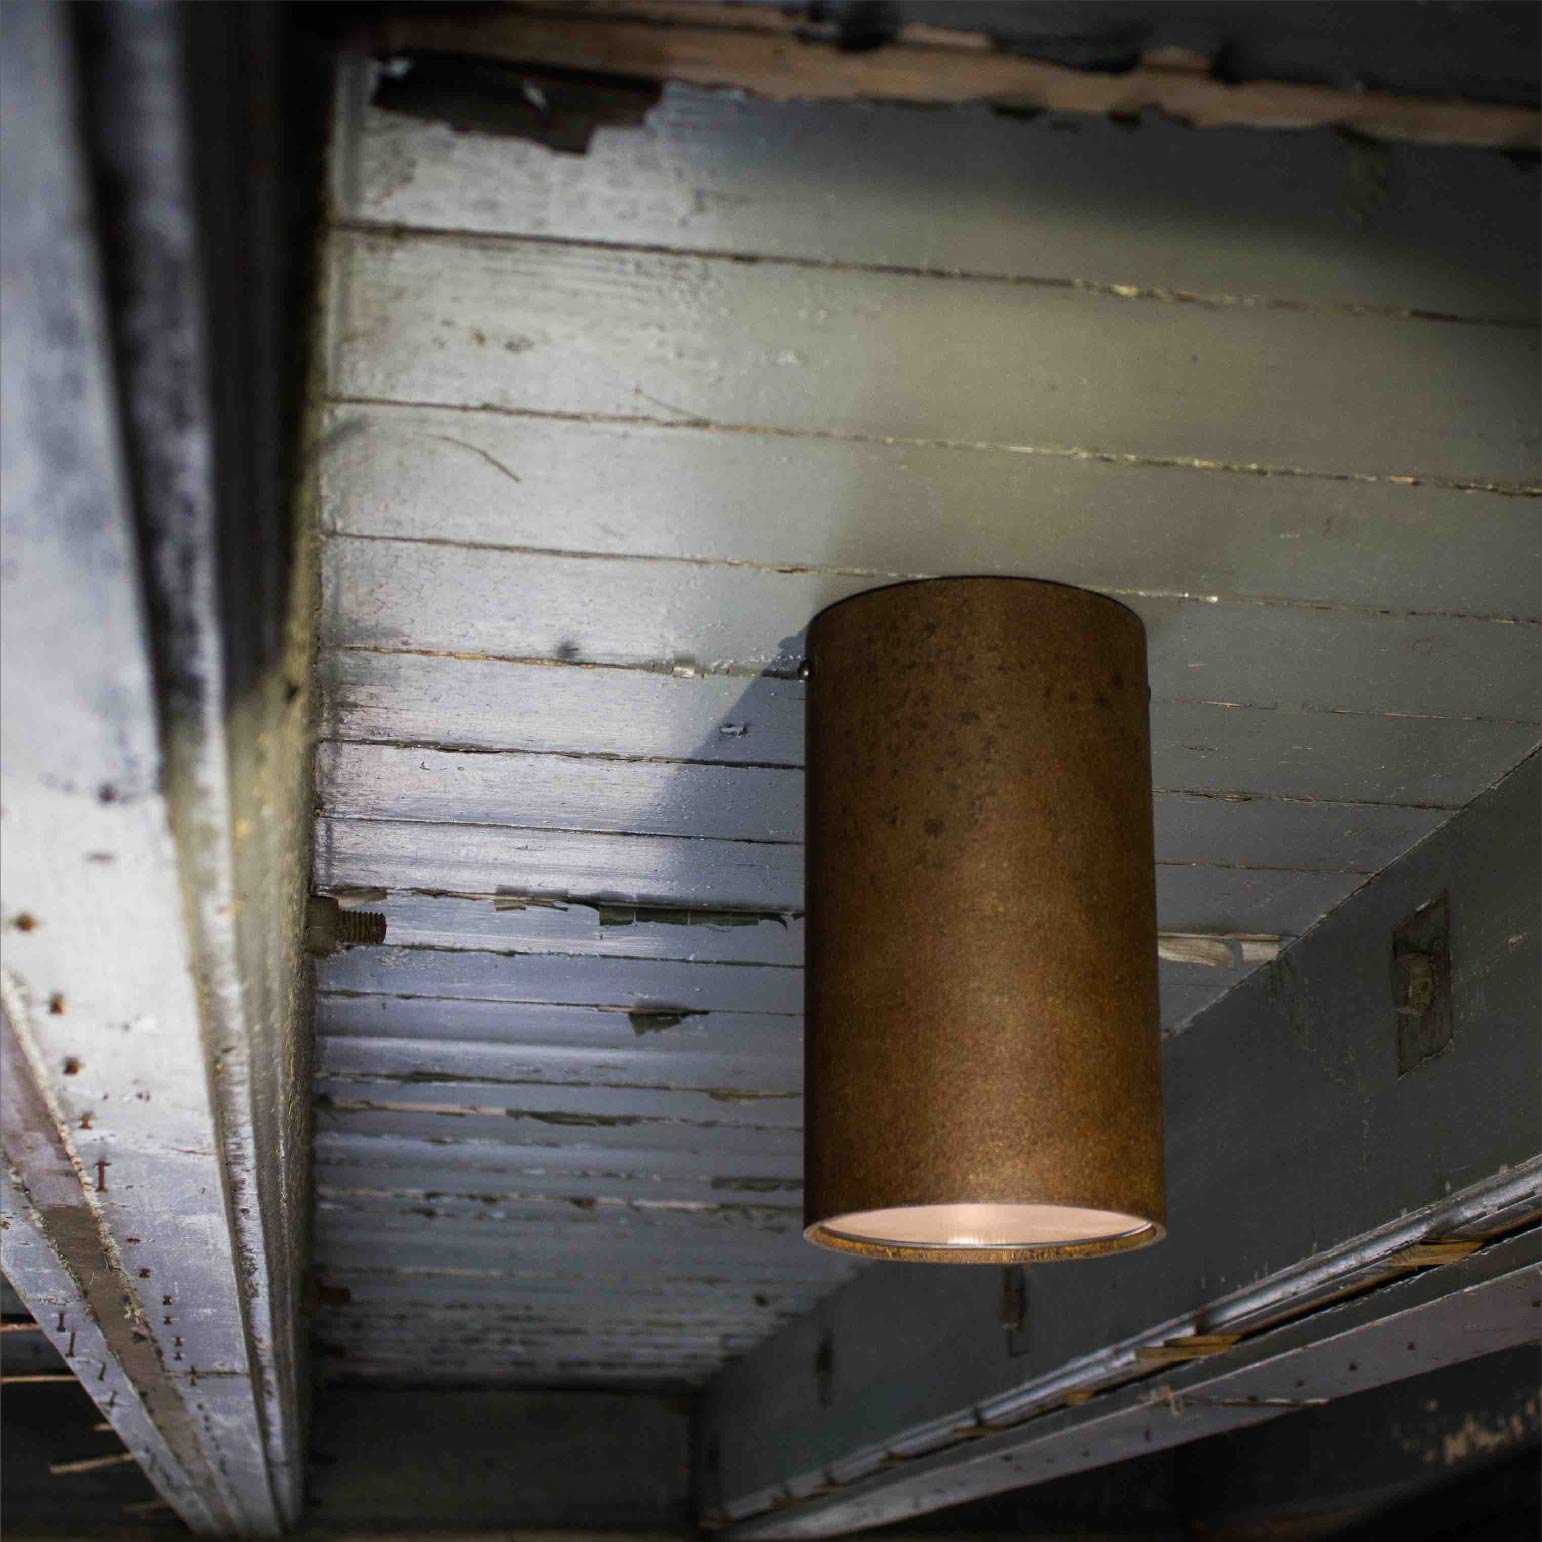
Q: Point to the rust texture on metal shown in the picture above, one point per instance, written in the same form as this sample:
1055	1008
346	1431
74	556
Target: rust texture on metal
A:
982	963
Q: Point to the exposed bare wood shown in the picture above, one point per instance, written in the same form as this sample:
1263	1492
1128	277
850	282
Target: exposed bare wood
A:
92	1464
1446	233
1177	1351
935	68
559	328
1430	1255
1211	951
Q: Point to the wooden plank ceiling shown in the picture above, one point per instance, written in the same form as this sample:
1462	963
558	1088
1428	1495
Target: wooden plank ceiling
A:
603	432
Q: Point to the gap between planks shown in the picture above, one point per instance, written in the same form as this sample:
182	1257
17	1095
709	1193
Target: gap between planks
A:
740	840
1172	946
1210	300
698	671
685	419
452	747
831	570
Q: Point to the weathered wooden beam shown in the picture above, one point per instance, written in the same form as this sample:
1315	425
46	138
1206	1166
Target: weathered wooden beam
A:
1316	1179
758	50
155	636
1359	1345
1362	1452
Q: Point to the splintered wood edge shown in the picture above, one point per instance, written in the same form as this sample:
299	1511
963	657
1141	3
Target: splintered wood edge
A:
936	67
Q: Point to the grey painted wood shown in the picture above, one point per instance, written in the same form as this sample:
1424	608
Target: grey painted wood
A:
705	1136
656	490
726	1254
384	1289
1182	1001
344	1177
508	924
530	1361
578	1002
656	1335
576	1373
482	860
715	719
730	1043
1313	218
1298	1157
482	704
1286	752
512	1343
648	1319
514	1353
539	552
643	984
579	1246
125	965
450	1359
555	1208
570	1104
396	594
509	1346
445	1157
763	1259
385	1294
758	804
776	1067
424	1021
1437	1319
53	1296
1216	899
1263	832
185	123
559	328
445	921
453	1216
713	1051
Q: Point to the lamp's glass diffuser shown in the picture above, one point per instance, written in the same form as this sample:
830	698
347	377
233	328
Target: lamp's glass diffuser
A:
982	1058
982	1226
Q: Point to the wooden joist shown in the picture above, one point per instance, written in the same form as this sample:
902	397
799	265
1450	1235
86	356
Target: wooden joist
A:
151	864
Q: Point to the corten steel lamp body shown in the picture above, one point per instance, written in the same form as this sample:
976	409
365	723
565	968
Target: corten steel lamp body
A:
983	1075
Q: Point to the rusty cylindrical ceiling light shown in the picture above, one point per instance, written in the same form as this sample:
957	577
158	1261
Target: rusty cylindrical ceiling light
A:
983	1076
